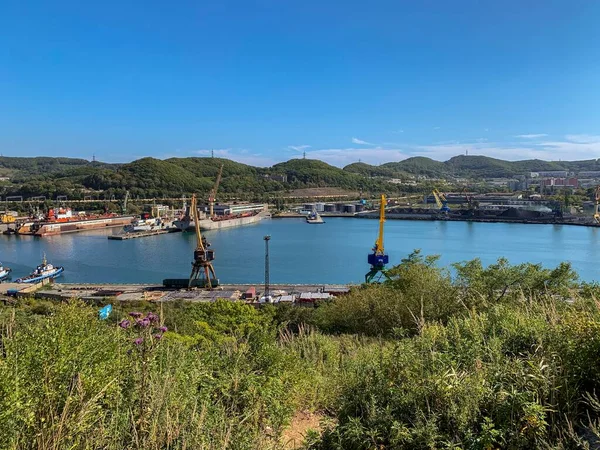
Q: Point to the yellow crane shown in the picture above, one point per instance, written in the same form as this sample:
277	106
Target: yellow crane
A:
378	259
202	268
213	192
441	200
596	209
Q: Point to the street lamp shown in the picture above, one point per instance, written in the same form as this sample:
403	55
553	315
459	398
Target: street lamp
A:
267	238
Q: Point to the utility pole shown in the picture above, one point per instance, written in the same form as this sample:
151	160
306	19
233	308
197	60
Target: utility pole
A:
267	238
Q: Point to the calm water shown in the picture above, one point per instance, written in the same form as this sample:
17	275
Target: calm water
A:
335	252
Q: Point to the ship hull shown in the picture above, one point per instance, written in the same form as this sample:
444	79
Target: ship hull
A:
52	229
208	224
33	279
4	273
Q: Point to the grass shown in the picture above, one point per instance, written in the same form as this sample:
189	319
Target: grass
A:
494	357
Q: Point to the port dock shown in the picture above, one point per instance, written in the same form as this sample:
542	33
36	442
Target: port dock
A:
141	234
97	293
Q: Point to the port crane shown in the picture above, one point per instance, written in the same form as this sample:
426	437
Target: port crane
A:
597	207
441	201
378	259
202	268
213	192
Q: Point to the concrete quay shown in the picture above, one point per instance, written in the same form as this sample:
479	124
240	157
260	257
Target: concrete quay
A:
101	292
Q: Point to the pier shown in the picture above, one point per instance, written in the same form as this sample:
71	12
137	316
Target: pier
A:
141	234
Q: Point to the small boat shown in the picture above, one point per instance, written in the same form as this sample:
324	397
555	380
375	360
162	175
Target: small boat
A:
42	272
4	272
314	217
145	223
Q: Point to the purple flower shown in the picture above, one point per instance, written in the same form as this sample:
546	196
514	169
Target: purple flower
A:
124	323
142	323
138	341
135	314
162	329
158	336
152	317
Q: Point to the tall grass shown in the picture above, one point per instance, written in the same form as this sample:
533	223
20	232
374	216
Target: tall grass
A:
493	357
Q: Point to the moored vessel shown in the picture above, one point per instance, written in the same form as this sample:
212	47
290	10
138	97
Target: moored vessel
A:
4	272
42	272
314	218
232	216
62	220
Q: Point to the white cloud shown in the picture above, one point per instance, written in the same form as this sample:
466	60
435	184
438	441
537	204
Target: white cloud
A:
583	138
360	142
298	148
531	136
436	128
397	131
343	156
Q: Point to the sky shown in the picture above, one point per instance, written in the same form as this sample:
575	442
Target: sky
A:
262	82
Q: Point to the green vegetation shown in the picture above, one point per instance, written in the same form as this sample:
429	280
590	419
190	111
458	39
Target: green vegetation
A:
480	358
175	177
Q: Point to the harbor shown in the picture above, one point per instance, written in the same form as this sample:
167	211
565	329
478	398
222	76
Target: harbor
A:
332	253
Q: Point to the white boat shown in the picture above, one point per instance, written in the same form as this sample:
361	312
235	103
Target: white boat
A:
42	272
148	224
314	217
4	272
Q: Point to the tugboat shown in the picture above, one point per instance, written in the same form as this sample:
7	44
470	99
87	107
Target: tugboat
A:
42	272
4	272
314	217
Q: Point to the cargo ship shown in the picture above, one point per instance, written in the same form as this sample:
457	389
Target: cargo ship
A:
62	220
231	216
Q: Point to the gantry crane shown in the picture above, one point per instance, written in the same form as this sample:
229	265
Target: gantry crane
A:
378	259
202	268
213	192
441	201
596	208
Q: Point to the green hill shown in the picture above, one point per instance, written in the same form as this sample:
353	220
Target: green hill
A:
418	165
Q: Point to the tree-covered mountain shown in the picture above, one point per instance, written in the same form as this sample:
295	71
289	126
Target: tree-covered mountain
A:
150	177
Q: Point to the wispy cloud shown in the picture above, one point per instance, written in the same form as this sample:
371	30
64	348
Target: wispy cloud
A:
583	138
397	131
343	156
298	148
360	142
436	128
531	136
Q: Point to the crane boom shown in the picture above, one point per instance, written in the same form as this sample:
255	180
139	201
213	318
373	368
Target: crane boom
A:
597	207
379	242
213	193
438	200
196	219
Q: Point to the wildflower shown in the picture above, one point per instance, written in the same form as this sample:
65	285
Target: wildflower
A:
124	323
135	314
152	317
158	336
138	341
162	329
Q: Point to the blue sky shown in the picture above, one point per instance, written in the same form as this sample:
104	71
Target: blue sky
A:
263	81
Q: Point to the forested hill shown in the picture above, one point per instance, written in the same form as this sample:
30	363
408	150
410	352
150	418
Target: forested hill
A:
469	166
150	177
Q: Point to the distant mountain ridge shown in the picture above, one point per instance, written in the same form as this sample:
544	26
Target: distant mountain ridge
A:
470	166
151	177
